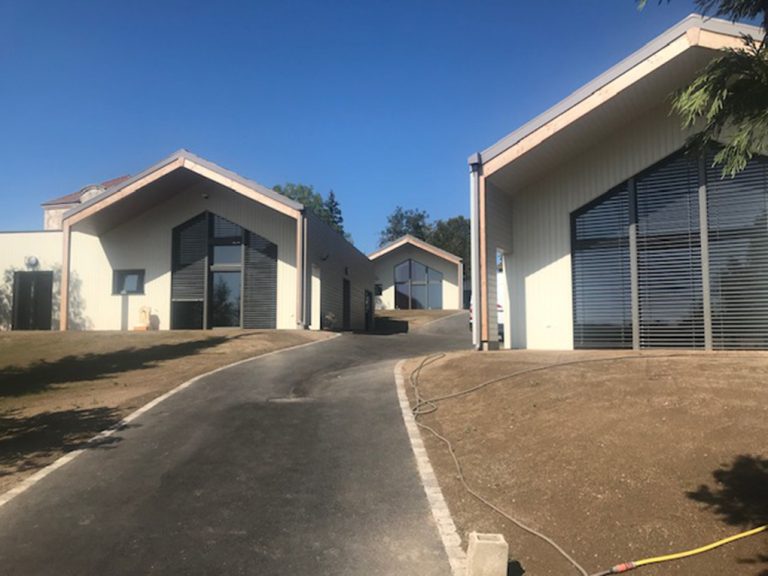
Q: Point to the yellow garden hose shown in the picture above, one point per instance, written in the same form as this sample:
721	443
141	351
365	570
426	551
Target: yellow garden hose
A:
627	566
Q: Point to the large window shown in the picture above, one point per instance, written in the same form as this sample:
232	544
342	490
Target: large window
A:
674	257
417	286
223	276
601	273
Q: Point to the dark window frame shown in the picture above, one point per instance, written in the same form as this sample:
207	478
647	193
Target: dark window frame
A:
697	249
410	283
118	279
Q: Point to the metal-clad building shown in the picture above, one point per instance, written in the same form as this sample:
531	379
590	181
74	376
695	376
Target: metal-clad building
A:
413	274
187	244
607	233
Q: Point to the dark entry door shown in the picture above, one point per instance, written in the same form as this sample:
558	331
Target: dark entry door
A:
346	306
32	300
368	310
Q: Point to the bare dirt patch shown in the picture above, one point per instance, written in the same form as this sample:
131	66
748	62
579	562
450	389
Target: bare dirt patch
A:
396	321
619	458
59	389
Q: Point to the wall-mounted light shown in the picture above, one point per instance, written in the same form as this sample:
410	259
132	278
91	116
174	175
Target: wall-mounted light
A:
31	262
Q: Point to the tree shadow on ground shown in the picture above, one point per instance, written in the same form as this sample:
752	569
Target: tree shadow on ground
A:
30	442
36	377
739	496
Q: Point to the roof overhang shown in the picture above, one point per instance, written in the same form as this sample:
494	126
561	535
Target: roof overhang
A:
638	83
179	171
413	241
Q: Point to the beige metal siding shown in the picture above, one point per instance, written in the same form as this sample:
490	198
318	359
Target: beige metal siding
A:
385	275
145	243
337	259
539	275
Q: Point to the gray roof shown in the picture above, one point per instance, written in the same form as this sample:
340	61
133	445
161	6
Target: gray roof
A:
666	38
187	155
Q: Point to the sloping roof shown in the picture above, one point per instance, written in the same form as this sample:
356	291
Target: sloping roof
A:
688	25
74	197
408	239
185	159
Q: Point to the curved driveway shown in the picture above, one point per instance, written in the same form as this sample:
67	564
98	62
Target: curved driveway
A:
297	463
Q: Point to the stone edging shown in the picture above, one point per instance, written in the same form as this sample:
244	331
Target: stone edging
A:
447	529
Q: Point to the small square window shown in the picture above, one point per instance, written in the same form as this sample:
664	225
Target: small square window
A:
128	282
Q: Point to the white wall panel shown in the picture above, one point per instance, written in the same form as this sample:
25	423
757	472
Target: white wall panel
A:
499	238
539	275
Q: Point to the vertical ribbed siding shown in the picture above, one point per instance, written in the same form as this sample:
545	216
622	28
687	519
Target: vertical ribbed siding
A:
601	273
260	283
669	255
738	237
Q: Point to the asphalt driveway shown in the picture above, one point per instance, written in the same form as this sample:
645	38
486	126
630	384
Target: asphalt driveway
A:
295	463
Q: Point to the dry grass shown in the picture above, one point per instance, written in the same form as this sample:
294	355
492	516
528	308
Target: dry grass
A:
617	458
58	389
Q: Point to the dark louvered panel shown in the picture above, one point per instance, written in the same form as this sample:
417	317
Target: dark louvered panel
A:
190	247
669	255
260	290
738	247
223	228
601	273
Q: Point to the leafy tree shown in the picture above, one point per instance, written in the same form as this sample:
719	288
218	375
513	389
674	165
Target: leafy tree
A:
306	196
402	222
333	210
453	235
728	99
327	209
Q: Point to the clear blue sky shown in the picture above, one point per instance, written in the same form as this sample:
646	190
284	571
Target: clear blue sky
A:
382	101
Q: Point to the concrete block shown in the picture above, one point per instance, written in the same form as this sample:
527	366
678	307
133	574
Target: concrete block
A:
487	555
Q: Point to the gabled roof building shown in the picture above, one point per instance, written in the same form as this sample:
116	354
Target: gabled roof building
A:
609	234
184	244
413	274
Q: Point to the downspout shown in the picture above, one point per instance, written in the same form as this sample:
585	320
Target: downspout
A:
64	279
301	251
475	167
307	277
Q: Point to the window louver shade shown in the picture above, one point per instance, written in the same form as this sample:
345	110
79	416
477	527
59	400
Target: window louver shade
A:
738	248
190	247
669	256
601	273
260	294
